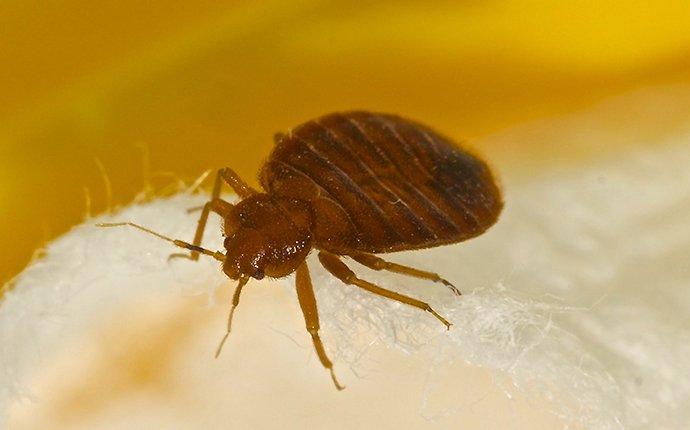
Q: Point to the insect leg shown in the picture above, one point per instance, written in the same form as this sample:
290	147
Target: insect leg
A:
236	183
279	137
235	302
219	206
376	263
215	204
307	301
337	268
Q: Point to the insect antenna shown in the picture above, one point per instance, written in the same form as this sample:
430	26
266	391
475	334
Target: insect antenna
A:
182	244
235	302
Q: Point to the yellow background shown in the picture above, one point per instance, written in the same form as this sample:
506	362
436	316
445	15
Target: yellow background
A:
205	84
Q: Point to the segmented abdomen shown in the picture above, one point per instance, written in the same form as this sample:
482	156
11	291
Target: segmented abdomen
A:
382	183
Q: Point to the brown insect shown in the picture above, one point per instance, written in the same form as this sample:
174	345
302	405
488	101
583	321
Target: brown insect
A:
348	184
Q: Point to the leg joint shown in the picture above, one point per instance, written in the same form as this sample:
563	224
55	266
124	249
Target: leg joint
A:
370	261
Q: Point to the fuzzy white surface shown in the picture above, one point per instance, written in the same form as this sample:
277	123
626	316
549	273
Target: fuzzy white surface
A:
579	295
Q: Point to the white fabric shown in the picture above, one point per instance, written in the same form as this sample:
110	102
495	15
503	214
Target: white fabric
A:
580	295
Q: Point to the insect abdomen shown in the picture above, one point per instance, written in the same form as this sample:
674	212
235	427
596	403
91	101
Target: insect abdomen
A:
398	184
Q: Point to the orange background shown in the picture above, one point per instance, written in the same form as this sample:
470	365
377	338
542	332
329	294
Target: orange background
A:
205	84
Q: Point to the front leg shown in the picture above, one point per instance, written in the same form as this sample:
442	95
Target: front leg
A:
235	182
217	205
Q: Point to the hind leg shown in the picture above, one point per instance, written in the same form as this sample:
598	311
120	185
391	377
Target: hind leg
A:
337	268
376	263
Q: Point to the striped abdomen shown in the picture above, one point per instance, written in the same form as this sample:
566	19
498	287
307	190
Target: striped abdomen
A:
379	183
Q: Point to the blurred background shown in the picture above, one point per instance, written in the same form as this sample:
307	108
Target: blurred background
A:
87	87
98	99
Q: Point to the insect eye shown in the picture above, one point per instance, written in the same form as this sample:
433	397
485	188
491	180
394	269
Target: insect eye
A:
259	274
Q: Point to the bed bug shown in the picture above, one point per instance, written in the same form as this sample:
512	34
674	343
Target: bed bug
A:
351	185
